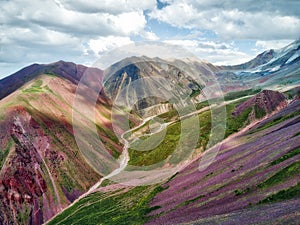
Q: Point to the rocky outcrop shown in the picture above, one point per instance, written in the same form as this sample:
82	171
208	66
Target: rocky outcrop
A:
261	104
22	178
35	181
155	110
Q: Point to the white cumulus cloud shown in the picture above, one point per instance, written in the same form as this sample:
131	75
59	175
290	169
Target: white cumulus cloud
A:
104	44
232	21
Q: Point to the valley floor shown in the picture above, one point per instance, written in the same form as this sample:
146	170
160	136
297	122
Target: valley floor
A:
253	180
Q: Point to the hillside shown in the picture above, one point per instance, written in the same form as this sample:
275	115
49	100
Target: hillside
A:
261	104
42	167
254	169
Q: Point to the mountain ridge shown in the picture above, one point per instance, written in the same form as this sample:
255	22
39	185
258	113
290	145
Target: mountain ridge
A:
68	70
255	68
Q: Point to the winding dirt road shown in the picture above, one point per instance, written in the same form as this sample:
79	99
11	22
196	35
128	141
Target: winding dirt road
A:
123	160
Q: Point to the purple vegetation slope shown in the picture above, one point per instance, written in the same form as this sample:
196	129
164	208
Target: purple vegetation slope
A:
235	180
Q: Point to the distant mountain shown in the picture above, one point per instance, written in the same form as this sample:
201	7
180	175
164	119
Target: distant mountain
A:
270	58
132	78
260	59
266	70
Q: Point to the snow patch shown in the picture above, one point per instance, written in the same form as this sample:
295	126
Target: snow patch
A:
293	57
275	68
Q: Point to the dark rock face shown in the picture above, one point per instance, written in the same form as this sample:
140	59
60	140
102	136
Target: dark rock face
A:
34	174
22	182
263	103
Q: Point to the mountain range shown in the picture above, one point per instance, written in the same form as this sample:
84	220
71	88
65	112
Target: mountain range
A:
47	177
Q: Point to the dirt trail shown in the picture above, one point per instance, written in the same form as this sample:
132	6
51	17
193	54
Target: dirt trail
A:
123	160
52	179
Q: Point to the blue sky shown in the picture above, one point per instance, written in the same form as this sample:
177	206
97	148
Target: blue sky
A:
218	31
